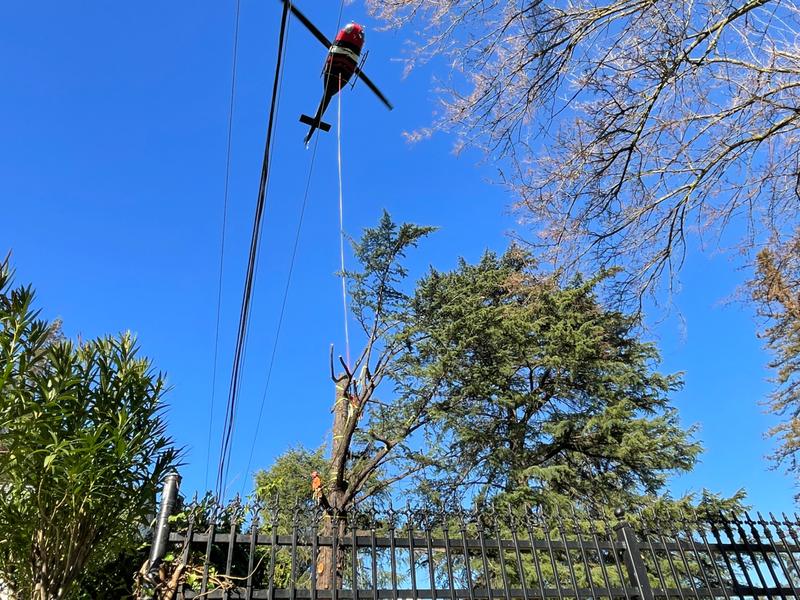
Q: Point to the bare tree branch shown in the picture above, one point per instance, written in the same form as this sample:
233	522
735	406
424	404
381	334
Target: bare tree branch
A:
626	127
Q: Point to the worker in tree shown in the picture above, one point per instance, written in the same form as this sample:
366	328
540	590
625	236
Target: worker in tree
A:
352	405
317	492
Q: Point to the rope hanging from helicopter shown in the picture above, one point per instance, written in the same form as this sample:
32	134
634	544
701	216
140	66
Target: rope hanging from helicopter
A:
343	274
344	62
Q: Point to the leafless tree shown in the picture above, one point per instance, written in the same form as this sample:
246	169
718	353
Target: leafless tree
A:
628	128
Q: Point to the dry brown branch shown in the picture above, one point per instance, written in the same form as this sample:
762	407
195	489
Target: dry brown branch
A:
776	291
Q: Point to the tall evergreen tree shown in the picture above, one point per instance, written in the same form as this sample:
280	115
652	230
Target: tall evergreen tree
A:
544	392
488	382
492	380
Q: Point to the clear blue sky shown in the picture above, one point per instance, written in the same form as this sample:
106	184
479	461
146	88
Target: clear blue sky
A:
112	167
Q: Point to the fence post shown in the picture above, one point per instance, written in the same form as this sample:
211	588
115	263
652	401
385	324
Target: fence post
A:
632	555
169	497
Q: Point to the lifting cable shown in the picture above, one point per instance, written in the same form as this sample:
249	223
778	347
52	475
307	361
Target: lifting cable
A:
244	315
222	243
341	222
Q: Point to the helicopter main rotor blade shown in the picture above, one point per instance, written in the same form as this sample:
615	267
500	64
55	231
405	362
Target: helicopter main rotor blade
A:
309	25
374	88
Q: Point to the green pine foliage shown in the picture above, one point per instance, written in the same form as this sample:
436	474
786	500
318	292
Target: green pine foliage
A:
545	394
500	383
503	388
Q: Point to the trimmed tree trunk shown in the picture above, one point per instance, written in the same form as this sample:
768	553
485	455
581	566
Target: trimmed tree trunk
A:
329	567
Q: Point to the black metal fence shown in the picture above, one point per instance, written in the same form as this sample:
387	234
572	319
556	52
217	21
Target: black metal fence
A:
455	555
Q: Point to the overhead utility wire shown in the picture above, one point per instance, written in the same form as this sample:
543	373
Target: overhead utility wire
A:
288	280
283	307
244	315
222	243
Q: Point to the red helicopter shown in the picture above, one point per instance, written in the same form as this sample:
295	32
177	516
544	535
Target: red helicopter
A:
343	61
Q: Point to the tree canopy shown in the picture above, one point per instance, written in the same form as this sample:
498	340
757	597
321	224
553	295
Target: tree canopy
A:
544	392
497	381
369	433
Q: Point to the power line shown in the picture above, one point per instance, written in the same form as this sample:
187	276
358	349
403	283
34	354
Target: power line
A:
244	314
222	243
283	306
285	291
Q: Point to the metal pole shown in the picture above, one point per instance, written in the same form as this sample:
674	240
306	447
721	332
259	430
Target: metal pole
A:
632	555
168	499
